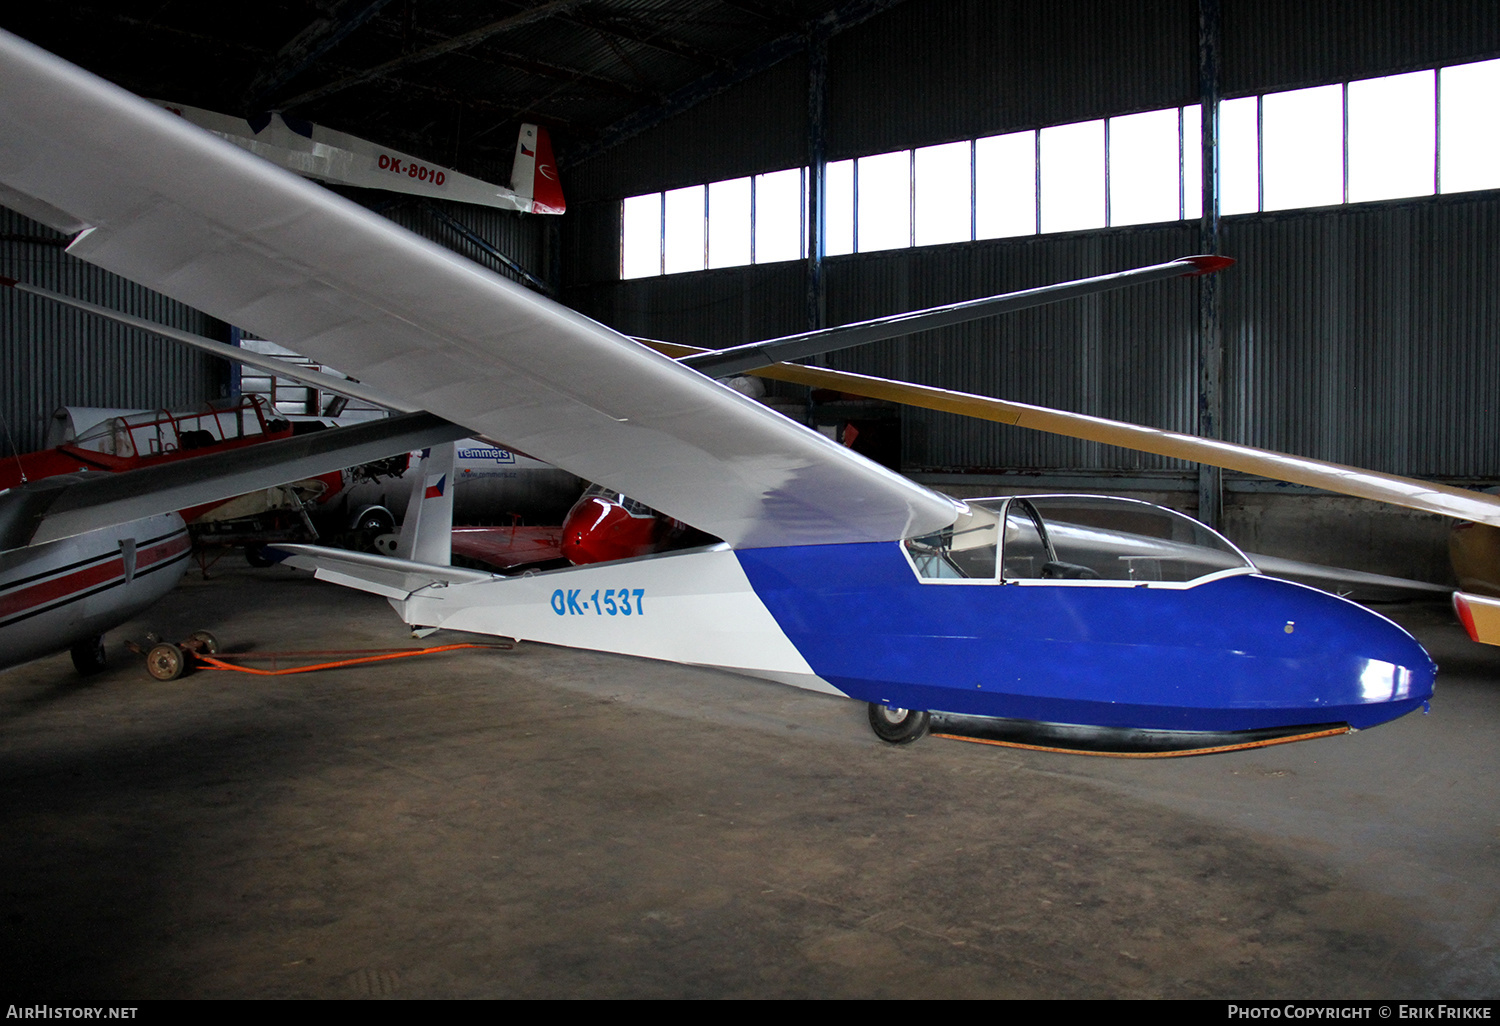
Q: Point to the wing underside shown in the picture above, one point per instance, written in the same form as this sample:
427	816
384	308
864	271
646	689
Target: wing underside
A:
194	217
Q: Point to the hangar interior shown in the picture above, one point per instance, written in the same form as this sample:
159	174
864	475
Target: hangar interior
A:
1359	330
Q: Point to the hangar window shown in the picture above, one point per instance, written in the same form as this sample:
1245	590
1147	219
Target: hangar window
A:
729	223
1239	155
1469	140
1392	127
779	210
1412	134
1301	139
640	236
883	199
1072	177
685	240
941	186
1005	186
1144	160
838	221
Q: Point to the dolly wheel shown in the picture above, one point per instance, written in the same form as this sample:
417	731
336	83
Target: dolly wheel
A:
207	643
165	662
898	726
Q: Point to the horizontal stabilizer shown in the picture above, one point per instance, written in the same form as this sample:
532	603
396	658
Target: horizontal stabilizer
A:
380	575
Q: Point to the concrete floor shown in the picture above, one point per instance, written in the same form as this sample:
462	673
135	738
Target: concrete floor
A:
547	823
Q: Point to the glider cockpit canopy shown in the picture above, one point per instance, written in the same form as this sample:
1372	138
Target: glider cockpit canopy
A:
1074	538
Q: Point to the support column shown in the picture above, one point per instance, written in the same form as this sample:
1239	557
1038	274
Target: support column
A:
1210	340
817	171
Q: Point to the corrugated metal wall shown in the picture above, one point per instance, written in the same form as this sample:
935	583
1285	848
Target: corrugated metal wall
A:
51	356
1368	334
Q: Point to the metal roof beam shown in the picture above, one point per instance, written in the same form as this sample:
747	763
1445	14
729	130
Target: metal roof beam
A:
844	17
633	32
306	46
458	42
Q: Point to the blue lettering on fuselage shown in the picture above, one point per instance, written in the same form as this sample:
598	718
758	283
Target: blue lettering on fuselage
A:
601	602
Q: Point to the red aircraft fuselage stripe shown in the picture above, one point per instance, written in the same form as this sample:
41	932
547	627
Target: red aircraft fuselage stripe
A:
108	568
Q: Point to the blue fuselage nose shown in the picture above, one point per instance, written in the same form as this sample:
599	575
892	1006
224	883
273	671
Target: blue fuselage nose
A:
1232	653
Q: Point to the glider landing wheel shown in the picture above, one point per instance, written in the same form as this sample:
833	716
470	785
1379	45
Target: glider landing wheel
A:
88	655
165	662
897	726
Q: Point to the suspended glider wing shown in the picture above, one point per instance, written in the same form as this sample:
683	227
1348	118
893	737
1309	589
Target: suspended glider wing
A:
190	215
1427	496
721	363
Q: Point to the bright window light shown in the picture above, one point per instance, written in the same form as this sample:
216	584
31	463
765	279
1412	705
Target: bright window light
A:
1143	168
1005	185
885	201
729	223
1073	177
1471	126
640	236
1192	162
1392	127
684	228
778	216
838	222
942	194
1239	157
1302	133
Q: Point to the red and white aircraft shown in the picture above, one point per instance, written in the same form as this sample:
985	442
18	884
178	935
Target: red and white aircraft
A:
81	553
342	159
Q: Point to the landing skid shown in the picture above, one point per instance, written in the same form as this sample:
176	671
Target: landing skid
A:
1119	743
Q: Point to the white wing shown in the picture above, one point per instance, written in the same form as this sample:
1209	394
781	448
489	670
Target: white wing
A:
178	210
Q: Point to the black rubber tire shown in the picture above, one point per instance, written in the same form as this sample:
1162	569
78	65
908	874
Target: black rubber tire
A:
255	557
165	662
89	656
897	726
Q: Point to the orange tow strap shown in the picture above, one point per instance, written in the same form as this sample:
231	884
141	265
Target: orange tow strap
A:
219	663
1268	742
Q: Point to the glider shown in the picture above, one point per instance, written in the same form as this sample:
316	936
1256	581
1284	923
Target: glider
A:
328	156
831	573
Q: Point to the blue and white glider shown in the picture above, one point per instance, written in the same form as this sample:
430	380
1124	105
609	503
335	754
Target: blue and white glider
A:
834	573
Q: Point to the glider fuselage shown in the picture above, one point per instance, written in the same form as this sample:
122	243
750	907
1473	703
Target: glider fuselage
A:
1233	652
63	592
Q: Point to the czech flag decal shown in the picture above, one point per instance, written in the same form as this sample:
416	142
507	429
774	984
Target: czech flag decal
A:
435	487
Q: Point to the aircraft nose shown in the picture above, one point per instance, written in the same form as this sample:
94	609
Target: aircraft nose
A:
1372	670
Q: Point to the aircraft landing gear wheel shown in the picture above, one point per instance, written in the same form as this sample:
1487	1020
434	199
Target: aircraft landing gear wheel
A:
207	643
165	662
255	557
88	655
897	726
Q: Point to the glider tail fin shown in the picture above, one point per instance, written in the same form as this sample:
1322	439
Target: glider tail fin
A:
427	531
533	176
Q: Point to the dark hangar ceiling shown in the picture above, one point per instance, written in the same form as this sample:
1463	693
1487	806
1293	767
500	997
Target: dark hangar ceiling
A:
449	80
